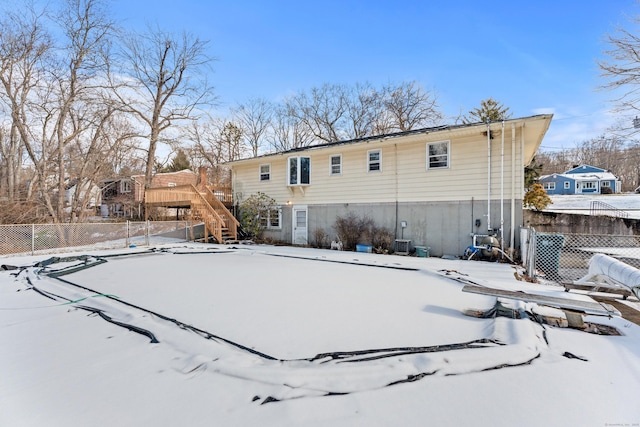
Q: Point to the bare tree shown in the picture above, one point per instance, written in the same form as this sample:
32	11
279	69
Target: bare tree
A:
362	104
24	45
166	76
288	131
322	111
407	106
254	118
622	69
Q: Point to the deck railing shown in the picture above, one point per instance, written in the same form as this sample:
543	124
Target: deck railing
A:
604	209
206	205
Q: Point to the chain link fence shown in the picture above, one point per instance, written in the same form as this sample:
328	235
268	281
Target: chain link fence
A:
42	238
564	258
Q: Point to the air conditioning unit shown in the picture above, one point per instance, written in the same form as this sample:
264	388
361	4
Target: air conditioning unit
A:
402	247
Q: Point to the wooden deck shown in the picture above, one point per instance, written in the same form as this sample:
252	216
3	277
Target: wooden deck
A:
204	204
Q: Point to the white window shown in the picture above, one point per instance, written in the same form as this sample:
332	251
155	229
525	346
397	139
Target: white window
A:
271	219
567	185
125	186
438	155
265	172
549	185
605	183
374	160
589	185
171	184
335	163
299	171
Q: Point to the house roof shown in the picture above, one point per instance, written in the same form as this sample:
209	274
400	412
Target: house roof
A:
591	173
543	119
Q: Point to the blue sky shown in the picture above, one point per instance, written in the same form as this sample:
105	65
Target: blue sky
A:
534	57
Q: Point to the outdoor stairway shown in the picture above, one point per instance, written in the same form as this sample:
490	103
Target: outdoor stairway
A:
219	222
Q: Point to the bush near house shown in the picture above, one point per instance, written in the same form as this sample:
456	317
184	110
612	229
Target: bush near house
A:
536	198
254	213
353	229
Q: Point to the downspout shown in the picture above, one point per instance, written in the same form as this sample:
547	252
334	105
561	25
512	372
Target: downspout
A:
488	176
395	147
502	189
513	187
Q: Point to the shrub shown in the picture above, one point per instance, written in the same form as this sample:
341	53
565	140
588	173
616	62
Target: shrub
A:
254	213
321	238
536	198
352	229
381	240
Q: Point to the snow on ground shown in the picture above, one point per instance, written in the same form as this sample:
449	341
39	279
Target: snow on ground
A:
581	203
196	335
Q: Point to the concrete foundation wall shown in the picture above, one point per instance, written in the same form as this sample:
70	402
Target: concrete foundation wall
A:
446	227
552	222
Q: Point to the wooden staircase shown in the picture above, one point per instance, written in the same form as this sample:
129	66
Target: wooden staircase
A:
204	206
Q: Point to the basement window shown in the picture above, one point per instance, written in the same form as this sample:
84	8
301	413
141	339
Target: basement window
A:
271	219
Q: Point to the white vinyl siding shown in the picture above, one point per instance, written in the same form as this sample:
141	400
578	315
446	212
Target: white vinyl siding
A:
405	178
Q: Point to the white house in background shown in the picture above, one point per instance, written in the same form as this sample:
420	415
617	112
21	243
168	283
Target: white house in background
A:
89	195
436	187
582	179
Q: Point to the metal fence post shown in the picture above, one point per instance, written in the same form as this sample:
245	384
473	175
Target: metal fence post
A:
531	263
126	232
33	238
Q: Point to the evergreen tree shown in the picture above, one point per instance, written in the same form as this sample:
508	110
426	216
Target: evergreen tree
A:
179	162
490	110
536	198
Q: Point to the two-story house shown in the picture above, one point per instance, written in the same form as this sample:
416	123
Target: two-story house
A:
436	187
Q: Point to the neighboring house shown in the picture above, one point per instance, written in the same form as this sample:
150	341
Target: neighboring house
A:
125	196
89	194
431	186
583	179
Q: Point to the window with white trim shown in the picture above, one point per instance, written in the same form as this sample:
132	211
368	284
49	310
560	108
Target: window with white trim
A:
299	171
335	164
549	185
271	219
605	184
374	160
265	172
438	155
567	185
589	185
125	186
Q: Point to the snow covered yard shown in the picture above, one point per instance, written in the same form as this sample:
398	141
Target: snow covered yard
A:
258	335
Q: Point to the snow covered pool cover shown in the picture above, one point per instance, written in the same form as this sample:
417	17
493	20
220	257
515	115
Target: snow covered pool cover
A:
194	333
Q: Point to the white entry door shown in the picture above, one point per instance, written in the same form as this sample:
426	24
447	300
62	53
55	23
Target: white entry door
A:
300	236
